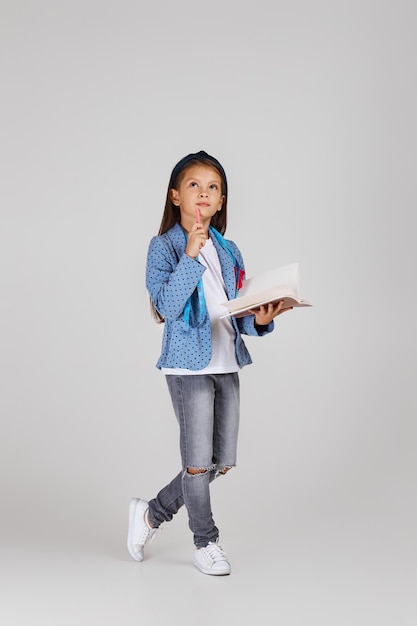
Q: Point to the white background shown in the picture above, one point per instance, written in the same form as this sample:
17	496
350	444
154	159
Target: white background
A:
310	107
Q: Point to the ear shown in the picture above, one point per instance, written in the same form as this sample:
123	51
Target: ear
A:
175	197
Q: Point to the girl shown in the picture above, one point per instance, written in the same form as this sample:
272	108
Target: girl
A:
191	268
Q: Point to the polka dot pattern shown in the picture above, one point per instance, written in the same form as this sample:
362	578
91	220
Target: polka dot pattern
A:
171	280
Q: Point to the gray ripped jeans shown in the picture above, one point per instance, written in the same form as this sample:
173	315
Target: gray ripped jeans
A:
207	410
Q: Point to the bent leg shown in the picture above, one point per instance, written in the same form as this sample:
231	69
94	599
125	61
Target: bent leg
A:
193	402
170	498
167	503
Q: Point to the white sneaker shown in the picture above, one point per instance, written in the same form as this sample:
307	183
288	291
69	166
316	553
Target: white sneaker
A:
212	560
140	532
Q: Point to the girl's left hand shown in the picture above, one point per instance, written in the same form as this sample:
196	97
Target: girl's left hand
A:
266	313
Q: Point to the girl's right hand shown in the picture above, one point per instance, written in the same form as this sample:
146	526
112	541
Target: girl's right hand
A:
196	239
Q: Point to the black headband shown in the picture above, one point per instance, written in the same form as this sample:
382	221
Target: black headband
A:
197	156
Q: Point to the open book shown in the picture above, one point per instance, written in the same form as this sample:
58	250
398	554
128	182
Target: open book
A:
281	283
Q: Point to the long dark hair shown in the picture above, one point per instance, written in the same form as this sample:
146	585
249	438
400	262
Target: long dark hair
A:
172	215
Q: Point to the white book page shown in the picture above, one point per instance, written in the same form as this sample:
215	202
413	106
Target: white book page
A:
281	283
285	277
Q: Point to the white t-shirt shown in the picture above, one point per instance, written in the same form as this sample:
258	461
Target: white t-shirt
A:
223	357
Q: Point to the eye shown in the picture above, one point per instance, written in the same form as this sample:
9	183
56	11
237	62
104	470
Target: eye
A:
193	184
214	186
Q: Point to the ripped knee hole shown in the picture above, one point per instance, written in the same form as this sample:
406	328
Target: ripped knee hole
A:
202	470
194	470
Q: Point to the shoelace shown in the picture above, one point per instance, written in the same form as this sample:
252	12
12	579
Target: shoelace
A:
147	535
215	552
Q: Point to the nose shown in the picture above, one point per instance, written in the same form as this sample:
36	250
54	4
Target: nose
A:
203	193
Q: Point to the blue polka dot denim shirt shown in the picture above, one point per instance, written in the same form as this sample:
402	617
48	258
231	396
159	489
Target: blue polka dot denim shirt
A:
172	278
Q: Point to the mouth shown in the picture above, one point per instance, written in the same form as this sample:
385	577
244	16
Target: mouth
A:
203	204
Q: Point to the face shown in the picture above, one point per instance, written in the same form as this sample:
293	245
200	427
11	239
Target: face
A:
200	188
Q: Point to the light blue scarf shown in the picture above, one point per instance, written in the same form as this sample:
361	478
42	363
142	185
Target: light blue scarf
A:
200	291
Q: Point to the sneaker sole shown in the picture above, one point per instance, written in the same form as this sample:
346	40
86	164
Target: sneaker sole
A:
211	572
134	503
